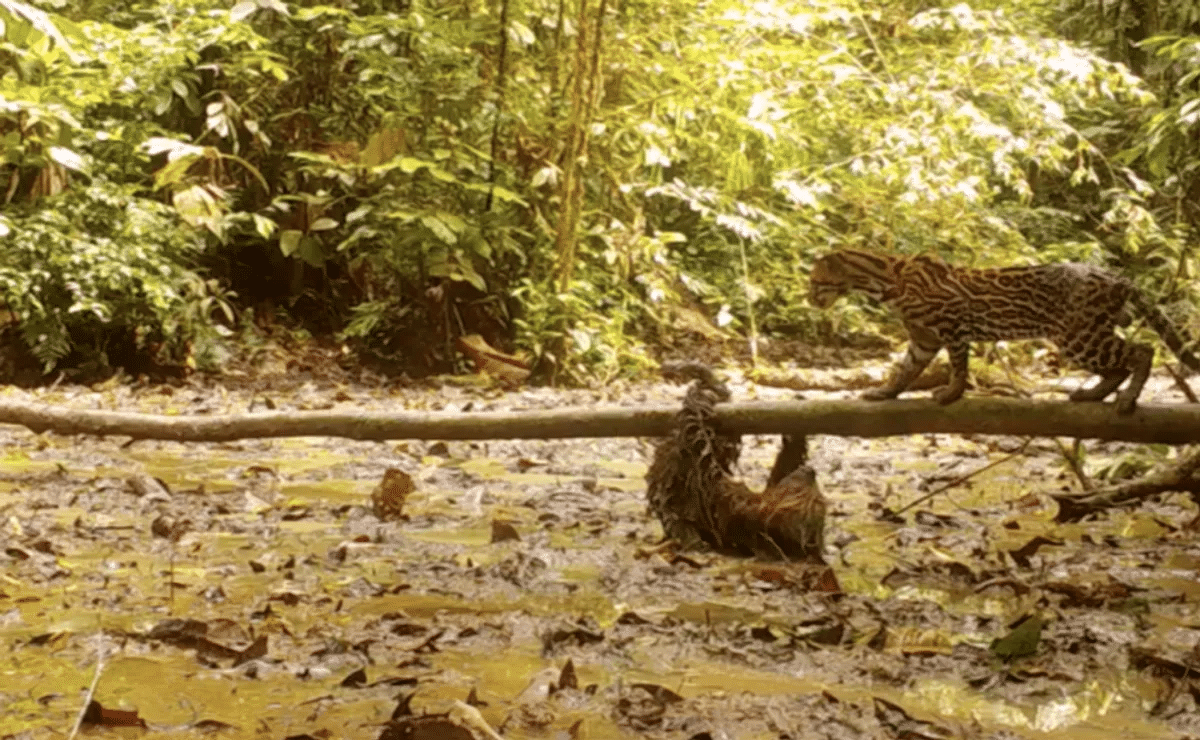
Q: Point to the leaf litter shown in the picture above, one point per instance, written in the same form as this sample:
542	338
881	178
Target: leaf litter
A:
331	588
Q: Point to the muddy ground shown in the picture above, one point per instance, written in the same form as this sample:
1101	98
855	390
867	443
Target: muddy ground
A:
258	595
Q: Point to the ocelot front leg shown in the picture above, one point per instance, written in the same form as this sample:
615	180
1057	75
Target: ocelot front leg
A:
960	352
923	346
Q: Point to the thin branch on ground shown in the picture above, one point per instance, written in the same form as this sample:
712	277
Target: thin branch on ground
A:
91	692
1182	384
1182	477
966	477
1074	463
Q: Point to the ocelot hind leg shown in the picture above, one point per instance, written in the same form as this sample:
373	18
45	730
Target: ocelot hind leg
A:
1113	359
1139	359
1109	382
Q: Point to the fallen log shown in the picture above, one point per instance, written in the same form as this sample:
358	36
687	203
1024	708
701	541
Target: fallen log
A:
1176	424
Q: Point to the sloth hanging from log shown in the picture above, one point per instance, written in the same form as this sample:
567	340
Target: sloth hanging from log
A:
692	491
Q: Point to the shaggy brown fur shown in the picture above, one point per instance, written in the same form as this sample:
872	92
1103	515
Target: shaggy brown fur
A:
692	491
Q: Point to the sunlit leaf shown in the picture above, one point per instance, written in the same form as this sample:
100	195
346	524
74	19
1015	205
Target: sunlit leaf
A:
265	227
439	229
24	17
158	145
242	11
520	34
544	176
67	158
382	146
582	339
201	205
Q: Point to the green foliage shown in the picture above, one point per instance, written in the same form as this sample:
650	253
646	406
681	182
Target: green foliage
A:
102	265
907	140
599	323
387	166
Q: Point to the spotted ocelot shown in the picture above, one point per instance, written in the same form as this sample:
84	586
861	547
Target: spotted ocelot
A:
1074	305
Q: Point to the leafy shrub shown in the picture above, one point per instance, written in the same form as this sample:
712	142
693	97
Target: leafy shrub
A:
96	264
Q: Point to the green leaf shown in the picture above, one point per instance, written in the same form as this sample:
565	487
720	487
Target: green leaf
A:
500	193
174	172
1021	641
409	165
201	205
382	146
289	241
310	251
264	226
464	270
439	229
359	234
453	222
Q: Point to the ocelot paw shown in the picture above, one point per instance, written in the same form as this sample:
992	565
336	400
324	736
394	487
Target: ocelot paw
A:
879	394
1126	403
947	394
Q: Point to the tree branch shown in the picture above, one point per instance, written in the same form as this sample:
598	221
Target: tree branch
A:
1178	424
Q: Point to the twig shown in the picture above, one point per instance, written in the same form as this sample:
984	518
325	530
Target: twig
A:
1072	459
91	693
964	478
748	294
878	52
1182	384
171	578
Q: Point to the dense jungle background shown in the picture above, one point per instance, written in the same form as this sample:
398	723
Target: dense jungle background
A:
587	184
220	206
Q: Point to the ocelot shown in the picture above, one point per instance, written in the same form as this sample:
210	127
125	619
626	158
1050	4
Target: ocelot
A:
1074	305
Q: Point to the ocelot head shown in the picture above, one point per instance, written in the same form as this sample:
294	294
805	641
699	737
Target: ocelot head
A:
828	281
837	273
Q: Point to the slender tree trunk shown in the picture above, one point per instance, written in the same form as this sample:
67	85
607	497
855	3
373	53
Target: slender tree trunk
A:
501	79
585	87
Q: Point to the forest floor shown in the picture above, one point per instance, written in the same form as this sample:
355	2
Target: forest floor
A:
257	594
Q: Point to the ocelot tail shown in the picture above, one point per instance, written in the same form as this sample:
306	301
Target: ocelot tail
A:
1074	305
